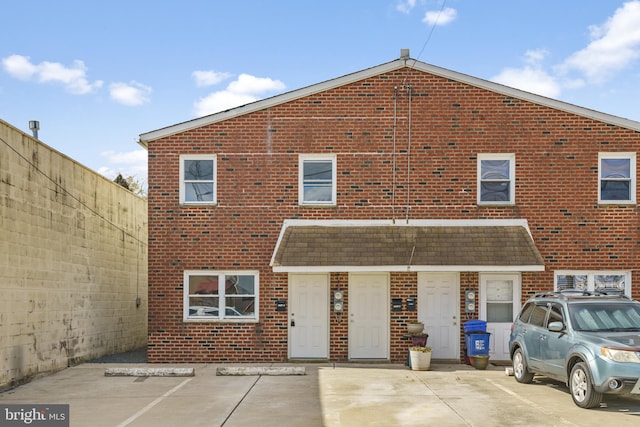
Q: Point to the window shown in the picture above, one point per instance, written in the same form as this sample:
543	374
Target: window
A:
526	312
539	315
499	299
594	281
617	178
211	295
317	180
555	314
198	179
496	179
605	317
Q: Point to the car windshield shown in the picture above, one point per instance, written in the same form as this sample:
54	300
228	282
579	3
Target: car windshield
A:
601	317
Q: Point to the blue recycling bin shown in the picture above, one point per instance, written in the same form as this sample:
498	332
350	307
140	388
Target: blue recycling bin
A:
476	337
477	343
475	325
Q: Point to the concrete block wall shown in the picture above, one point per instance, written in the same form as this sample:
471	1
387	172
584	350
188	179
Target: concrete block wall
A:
362	123
73	261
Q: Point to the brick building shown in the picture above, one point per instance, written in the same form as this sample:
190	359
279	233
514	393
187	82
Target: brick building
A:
315	224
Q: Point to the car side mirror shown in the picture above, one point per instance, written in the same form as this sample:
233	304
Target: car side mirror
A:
556	326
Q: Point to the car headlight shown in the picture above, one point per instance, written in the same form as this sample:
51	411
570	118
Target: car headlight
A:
623	356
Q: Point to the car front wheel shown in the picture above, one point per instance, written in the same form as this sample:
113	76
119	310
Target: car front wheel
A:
520	370
581	387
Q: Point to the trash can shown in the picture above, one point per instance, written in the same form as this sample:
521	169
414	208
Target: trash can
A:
476	338
475	325
477	343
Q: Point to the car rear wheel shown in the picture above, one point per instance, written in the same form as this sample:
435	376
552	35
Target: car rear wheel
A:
520	370
581	387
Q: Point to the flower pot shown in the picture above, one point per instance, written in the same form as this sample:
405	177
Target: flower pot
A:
415	328
480	361
419	340
420	360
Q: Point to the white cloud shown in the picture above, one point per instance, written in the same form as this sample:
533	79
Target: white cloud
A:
130	163
244	90
18	66
529	79
440	17
209	78
221	101
74	78
614	45
131	94
535	57
532	77
250	85
405	6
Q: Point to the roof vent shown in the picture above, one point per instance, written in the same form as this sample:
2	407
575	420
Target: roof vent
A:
34	125
404	53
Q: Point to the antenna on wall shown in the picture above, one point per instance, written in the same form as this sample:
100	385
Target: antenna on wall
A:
34	125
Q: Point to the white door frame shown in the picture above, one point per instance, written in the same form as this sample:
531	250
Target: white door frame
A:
320	320
500	331
381	319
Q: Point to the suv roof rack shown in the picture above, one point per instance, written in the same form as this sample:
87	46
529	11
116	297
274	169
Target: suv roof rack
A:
572	292
548	294
611	292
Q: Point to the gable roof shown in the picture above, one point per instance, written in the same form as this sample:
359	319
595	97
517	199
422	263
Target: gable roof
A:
397	64
484	245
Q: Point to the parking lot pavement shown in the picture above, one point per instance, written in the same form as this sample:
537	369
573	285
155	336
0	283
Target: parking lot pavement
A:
328	395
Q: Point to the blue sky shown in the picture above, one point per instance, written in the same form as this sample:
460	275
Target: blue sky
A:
96	74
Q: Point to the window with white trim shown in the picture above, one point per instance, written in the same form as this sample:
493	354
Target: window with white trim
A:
198	179
221	295
617	177
496	179
593	281
317	181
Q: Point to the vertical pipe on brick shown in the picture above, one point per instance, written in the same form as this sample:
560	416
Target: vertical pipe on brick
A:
393	155
409	91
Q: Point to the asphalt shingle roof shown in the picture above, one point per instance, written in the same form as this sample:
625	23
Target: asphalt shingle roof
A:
324	246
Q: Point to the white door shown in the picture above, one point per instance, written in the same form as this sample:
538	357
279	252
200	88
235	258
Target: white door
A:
309	316
438	309
499	304
368	309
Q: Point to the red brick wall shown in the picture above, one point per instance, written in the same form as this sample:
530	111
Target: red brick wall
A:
451	123
403	285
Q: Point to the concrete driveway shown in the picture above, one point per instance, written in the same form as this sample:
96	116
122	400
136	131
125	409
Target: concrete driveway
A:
328	395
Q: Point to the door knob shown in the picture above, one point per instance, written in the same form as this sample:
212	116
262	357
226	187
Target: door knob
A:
293	322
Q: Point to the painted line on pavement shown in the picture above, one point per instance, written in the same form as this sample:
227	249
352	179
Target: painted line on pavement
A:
529	402
152	404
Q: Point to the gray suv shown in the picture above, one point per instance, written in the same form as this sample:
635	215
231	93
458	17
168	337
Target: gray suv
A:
589	340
